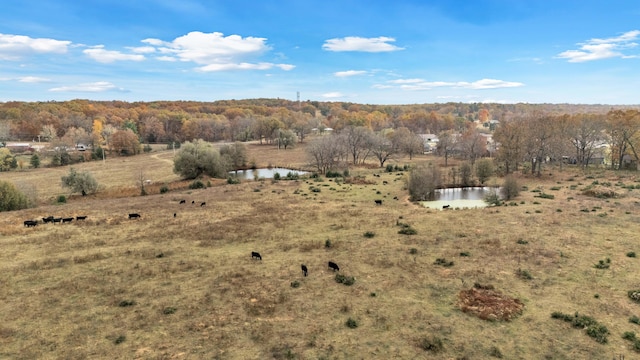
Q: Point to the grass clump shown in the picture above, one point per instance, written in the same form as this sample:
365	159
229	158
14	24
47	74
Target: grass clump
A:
406	229
169	310
603	264
631	254
369	234
351	323
443	262
431	343
413	251
126	303
592	328
634	320
524	274
346	280
295	284
197	184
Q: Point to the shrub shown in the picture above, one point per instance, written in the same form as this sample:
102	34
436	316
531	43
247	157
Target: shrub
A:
407	229
233	180
197	184
147	148
120	339
634	320
351	323
199	158
629	335
61	199
327	244
413	251
524	274
35	161
295	284
465	254
369	234
423	182
276	176
169	310
545	196
82	182
631	254
164	189
592	328
126	303
603	264
443	262
431	343
510	188
11	198
346	280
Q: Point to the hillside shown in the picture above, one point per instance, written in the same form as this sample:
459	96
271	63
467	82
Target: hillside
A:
186	286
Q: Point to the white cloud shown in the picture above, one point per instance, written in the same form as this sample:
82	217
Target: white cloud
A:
33	79
142	49
99	54
15	47
349	73
99	86
332	95
216	52
597	49
420	84
355	43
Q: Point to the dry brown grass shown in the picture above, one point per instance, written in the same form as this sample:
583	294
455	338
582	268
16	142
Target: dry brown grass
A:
194	291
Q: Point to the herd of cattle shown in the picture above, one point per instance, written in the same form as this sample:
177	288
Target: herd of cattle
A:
254	255
54	220
333	266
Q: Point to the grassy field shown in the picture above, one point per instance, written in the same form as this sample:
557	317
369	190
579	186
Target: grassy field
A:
186	287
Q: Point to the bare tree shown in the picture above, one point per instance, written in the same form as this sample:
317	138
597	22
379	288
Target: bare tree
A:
358	142
586	132
446	144
324	152
382	147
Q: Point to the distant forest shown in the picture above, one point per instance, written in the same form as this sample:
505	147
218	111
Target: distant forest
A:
253	119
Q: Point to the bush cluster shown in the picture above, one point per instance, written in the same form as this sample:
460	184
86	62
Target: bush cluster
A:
592	328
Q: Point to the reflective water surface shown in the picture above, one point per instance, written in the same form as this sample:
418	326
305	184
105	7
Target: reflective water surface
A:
471	197
266	173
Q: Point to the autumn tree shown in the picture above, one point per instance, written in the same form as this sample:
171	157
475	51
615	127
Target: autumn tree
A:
75	136
125	142
622	130
324	152
11	198
357	141
446	144
423	181
199	158
510	135
407	142
80	182
234	155
586	132
472	145
7	160
484	170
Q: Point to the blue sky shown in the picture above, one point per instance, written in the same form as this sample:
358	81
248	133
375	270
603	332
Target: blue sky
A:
373	52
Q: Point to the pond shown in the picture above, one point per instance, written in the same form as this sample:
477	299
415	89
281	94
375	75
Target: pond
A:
470	197
265	173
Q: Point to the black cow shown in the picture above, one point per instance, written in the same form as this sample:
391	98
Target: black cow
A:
446	206
384	182
304	269
30	223
66	220
378	202
56	220
183	201
83	217
333	266
256	255
48	219
134	216
174	214
203	203
193	201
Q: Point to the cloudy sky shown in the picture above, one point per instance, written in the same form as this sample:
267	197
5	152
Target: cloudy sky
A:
373	51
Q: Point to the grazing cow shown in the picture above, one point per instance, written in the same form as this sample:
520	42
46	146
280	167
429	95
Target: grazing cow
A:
378	202
30	223
66	220
193	201
385	182
333	266
395	198
446	206
256	255
56	220
174	214
83	217
134	216
48	219
304	269
183	201
203	203
376	175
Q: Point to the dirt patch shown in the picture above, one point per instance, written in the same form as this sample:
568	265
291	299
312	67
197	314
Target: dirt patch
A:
489	304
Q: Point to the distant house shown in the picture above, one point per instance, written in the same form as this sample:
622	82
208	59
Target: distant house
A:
430	142
19	147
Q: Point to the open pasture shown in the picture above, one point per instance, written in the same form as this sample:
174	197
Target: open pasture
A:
186	286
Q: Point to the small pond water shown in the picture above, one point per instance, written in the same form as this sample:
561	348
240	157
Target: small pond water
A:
471	197
266	173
